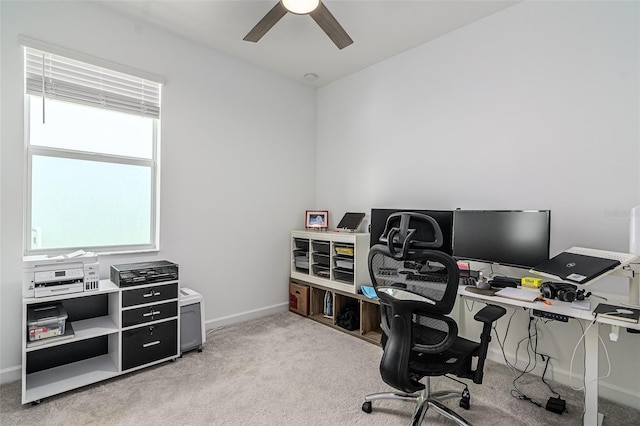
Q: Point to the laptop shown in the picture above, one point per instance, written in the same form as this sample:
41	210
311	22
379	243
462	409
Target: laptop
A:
574	267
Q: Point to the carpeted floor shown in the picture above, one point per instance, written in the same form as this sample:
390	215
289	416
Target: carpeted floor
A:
283	370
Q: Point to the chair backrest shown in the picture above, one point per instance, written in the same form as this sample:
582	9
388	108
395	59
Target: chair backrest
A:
417	288
432	275
404	261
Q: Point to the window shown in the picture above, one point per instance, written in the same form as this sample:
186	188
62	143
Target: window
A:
92	157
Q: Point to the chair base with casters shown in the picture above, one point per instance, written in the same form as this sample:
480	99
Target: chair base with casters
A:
424	400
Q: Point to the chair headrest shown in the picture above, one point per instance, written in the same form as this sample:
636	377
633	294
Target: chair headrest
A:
401	232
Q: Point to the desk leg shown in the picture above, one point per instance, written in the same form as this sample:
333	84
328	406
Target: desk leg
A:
591	417
462	317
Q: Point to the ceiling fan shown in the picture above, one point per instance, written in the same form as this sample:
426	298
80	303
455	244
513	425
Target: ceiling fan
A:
315	8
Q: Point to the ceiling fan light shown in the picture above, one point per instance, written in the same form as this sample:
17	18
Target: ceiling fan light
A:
300	7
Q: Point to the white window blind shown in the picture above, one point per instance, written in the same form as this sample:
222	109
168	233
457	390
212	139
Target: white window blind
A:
61	78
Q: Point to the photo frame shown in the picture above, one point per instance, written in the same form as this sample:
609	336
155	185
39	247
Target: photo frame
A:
316	219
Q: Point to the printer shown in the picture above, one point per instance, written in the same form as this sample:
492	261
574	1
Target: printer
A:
44	276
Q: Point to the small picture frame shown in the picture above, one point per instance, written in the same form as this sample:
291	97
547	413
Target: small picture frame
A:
316	219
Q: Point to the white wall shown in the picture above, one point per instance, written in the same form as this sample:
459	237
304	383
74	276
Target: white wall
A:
535	107
238	152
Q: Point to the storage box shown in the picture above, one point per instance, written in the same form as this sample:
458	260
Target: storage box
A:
301	244
342	275
45	321
299	298
302	262
345	263
301	259
345	250
321	271
321	259
321	247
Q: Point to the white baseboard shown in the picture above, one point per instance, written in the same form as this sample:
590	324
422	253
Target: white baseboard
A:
246	316
620	395
11	374
611	392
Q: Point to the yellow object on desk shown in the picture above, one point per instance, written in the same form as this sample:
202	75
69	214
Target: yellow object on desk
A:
531	282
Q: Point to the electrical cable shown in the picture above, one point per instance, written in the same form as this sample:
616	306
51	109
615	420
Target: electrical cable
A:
584	333
466	303
546	365
516	392
547	361
532	347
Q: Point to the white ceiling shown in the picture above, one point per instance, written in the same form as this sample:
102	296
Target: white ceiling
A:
296	45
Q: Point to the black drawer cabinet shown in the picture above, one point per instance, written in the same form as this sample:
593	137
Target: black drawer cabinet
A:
154	294
149	313
149	343
154	312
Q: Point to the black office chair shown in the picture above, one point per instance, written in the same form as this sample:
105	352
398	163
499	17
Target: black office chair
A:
417	287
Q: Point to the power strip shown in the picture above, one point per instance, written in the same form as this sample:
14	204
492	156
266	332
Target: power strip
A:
551	315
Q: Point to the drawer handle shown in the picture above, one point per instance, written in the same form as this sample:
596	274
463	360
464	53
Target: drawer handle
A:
148	314
151	294
146	345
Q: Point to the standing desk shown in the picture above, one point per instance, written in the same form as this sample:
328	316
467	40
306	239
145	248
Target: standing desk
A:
591	415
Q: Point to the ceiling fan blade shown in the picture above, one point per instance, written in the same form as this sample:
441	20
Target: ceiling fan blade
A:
330	25
265	24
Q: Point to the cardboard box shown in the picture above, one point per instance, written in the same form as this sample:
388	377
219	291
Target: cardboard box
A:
299	298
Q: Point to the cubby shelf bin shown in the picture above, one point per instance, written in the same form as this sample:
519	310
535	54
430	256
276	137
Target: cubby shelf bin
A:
337	260
369	310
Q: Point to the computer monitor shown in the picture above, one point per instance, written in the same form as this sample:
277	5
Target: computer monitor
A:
444	218
517	238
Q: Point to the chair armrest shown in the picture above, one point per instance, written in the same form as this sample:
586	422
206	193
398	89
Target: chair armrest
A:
489	314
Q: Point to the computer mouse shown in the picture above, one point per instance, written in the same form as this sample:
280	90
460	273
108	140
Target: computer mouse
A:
483	285
624	311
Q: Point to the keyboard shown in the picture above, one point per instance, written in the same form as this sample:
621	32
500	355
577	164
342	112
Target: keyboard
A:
438	278
428	277
467	281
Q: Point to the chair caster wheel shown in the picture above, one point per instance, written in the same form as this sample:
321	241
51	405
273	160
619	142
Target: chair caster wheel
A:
466	397
366	407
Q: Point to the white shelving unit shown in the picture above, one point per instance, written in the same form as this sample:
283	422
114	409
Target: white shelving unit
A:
331	259
38	381
94	352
